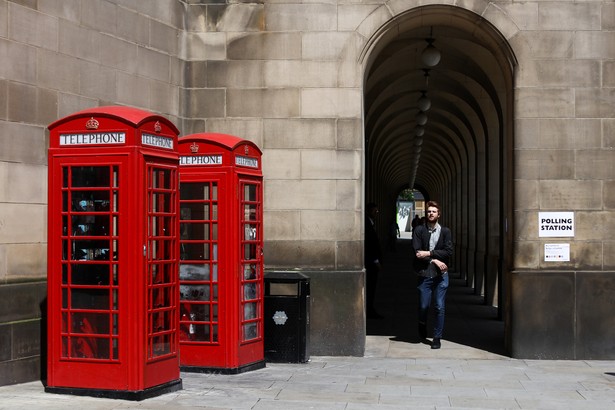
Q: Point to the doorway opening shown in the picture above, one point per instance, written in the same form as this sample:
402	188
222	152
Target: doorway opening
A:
441	122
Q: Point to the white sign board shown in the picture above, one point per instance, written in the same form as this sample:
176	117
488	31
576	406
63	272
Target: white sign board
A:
555	224
557	252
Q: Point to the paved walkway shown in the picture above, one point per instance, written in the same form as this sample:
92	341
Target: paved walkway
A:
471	371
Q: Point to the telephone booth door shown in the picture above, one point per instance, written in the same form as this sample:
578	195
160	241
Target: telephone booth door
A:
221	263
113	255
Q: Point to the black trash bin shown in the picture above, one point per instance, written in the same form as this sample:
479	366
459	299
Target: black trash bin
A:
287	317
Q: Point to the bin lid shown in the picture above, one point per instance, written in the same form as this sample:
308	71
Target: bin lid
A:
286	276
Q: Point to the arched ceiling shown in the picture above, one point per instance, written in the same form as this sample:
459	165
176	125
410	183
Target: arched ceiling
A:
466	90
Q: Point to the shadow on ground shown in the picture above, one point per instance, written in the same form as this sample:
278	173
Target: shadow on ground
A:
468	321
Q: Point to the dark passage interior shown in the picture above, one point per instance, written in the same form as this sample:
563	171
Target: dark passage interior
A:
469	321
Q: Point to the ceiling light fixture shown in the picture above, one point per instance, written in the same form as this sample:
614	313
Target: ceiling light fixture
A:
430	55
421	118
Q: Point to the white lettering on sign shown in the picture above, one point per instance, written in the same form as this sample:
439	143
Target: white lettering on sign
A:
157	141
555	224
93	138
246	161
201	160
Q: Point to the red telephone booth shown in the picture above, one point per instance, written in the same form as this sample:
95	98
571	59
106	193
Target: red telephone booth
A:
113	292
221	262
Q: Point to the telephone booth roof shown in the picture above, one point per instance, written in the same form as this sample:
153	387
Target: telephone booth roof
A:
227	141
132	116
214	149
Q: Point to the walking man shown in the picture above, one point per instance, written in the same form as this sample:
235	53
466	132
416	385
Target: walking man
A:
433	245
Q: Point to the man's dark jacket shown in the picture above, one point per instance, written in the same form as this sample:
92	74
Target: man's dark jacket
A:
443	250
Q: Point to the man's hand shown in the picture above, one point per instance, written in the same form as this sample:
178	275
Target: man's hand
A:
441	265
423	254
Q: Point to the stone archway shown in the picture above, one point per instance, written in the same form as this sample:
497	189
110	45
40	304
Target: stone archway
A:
464	157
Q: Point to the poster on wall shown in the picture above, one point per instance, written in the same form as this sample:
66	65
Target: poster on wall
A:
557	252
555	224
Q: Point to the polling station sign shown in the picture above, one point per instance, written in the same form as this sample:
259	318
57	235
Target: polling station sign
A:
555	224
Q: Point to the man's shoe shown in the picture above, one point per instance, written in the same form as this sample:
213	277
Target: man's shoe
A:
436	343
423	331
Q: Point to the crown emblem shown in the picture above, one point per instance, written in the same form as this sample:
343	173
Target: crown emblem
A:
246	149
157	127
91	124
194	147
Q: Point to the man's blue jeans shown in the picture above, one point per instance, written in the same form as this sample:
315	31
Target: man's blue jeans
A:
426	287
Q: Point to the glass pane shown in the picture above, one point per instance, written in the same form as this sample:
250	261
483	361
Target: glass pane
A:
194	292
90	274
249	271
249	291
199	332
161	178
64	177
194	211
250	331
200	312
115	349
90	298
194	251
194	190
162	226
64	274
161	345
194	272
91	225
115	275
214	335
161	297
162	320
249	311
116	252
116	176
92	323
249	192
249	232
87	347
64	249
89	176
249	250
154	251
249	212
90	250
161	202
115	305
214	232
64	324
90	201
65	201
